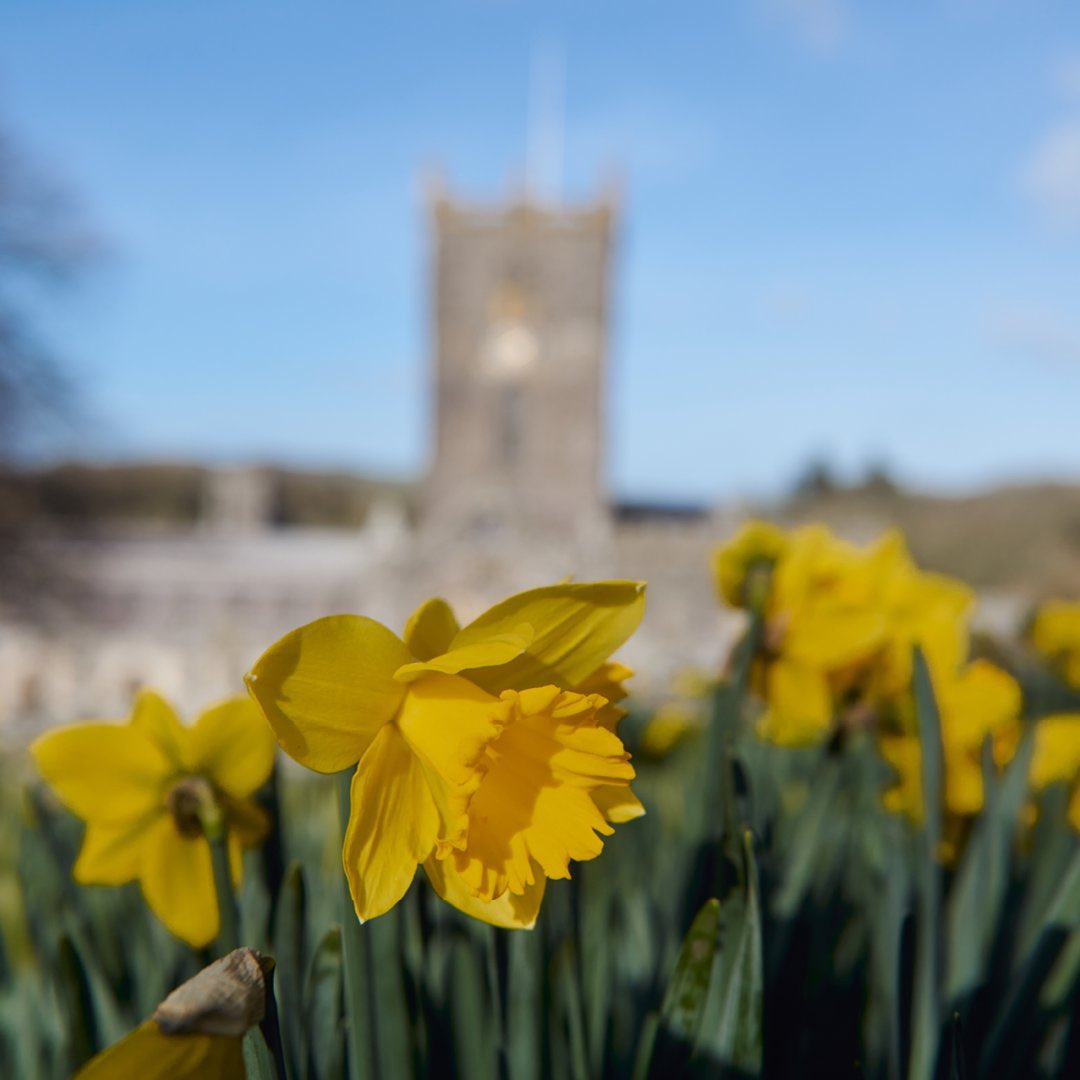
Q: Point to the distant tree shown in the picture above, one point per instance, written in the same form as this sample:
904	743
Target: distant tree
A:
878	480
816	479
43	244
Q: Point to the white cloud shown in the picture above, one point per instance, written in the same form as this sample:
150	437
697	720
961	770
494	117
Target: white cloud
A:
823	25
1051	177
1037	333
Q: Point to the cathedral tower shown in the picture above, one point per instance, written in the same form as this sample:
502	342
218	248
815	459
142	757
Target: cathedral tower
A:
520	335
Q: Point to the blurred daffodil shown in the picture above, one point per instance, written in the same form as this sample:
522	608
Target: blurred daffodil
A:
1056	759
486	753
145	788
978	703
742	566
838	626
1055	633
669	725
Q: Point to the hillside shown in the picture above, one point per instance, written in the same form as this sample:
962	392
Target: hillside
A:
75	495
1025	537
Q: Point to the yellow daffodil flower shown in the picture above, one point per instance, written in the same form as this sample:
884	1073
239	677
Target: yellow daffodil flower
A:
1055	632
751	553
979	702
839	624
139	786
670	725
1056	759
484	753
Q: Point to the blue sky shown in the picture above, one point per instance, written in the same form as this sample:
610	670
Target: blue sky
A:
849	231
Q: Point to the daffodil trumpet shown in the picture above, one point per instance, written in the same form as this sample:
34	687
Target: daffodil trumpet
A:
487	753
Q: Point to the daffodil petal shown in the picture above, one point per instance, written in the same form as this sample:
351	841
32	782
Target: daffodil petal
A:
236	859
393	824
534	803
510	910
905	796
177	882
328	687
607	681
233	745
977	701
246	820
618	804
430	629
450	721
576	627
103	772
157	720
832	635
1074	810
1056	756
799	711
111	852
150	1054
963	783
495	651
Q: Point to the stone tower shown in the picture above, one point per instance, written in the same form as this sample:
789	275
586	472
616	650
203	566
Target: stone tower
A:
520	333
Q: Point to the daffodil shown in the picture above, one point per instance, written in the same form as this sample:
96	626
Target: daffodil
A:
485	753
978	703
671	724
140	787
1056	759
742	565
838	626
1055	632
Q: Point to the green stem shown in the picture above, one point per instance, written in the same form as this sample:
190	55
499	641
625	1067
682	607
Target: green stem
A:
926	1005
216	832
722	822
355	960
229	932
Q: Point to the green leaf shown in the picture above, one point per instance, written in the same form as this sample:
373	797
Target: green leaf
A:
74	991
926	1006
883	1008
813	825
646	1046
524	1006
1053	845
684	1001
1008	1039
1064	976
474	1046
391	1026
731	1033
716	801
975	901
291	954
567	1008
258	1063
323	1010
597	937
